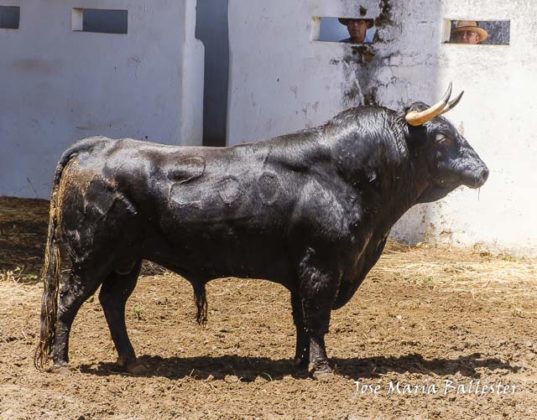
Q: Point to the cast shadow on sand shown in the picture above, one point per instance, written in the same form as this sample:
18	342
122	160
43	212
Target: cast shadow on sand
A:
248	369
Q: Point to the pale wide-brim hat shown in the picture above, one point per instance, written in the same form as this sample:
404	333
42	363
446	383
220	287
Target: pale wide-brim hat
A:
470	25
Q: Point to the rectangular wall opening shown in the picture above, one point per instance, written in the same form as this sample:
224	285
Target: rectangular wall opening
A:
100	20
9	17
477	32
353	30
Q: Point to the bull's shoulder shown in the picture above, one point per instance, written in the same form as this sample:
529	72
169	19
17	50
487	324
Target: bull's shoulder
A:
328	209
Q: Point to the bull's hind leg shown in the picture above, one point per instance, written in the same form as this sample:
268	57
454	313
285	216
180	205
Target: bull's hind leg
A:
115	291
74	291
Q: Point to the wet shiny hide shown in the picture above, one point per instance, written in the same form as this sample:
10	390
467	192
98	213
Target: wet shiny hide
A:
310	211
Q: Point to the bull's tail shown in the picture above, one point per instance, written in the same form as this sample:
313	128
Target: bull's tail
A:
200	298
51	273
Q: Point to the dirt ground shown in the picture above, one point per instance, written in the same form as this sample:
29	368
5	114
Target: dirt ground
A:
431	333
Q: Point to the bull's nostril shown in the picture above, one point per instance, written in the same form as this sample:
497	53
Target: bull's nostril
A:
485	174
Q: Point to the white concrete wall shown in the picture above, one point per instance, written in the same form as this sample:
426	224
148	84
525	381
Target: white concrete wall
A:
281	81
497	116
58	85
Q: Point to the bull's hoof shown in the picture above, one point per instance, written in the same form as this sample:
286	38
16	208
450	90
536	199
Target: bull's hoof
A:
322	371
323	375
60	368
136	368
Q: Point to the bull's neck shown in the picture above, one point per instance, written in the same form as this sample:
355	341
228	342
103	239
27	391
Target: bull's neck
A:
386	172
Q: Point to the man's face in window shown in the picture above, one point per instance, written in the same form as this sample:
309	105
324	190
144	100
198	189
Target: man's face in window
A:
357	29
468	37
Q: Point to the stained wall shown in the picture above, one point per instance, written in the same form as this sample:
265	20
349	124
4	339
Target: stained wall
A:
282	80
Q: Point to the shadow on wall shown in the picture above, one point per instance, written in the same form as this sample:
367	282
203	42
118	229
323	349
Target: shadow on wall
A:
212	30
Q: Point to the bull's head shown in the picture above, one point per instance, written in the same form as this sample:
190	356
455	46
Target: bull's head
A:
451	161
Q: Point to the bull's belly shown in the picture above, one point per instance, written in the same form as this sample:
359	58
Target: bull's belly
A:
208	255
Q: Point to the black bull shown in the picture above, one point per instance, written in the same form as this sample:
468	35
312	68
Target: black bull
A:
310	211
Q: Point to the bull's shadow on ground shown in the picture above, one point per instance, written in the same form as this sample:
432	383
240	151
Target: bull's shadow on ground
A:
247	369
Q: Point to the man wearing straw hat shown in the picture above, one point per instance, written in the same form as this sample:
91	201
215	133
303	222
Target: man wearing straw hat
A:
468	32
357	30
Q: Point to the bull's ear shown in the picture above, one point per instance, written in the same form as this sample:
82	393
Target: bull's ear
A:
414	135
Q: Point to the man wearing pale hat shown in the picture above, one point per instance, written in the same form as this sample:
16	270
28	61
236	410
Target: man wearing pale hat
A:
357	30
468	32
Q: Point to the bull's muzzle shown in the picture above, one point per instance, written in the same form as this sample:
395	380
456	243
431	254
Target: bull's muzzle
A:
478	178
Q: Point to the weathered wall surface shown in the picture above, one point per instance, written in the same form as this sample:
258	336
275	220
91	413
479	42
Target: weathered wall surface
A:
281	81
497	116
58	85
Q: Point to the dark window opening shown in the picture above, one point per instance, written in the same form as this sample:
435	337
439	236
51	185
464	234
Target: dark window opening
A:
482	32
9	17
100	20
346	30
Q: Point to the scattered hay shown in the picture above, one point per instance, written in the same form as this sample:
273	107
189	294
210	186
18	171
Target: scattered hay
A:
454	269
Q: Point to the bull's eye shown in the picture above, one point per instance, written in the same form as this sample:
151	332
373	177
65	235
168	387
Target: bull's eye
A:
443	139
440	138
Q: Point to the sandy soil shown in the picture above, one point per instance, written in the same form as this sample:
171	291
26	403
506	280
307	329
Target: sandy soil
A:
424	321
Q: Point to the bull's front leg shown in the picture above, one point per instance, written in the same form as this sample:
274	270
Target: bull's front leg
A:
302	349
318	290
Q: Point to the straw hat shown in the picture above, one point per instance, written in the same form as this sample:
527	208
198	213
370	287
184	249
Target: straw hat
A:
344	21
470	25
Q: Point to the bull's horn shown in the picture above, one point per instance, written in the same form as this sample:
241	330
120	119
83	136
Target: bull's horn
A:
416	119
453	103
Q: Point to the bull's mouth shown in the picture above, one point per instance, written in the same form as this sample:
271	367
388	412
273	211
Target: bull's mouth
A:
474	184
474	179
434	193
